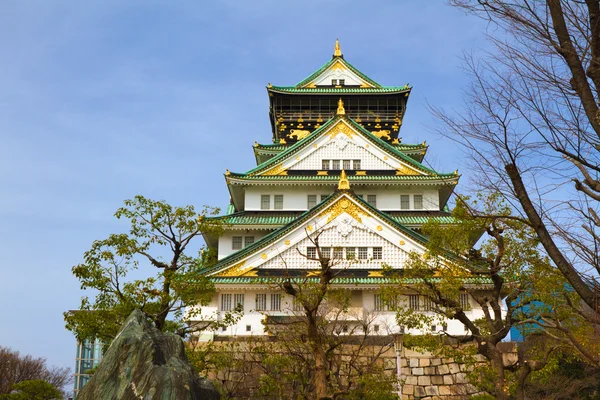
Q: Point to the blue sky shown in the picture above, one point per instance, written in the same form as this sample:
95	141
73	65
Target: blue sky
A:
100	101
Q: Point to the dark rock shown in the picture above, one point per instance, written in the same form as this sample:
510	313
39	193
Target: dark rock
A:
143	363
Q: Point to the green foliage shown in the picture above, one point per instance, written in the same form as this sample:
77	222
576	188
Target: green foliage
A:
157	250
33	390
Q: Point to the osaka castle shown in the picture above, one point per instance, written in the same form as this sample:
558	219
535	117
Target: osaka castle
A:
335	166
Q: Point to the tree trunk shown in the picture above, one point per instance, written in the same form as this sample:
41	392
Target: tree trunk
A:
524	372
320	372
498	368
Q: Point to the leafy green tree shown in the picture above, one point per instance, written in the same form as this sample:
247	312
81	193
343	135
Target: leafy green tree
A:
154	267
497	276
33	390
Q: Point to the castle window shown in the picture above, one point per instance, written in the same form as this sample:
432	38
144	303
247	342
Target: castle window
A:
324	196
363	253
380	303
311	252
325	164
238	300
334	82
356	164
261	301
413	302
372	199
248	328
464	301
338	253
351	253
311	201
418	201
341	82
404	202
326	252
298	305
335	164
236	243
377	253
376	328
346	164
278	201
248	240
427	304
226	302
275	301
265	202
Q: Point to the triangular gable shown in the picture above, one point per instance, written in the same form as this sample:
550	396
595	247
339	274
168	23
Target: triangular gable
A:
342	211
341	131
337	68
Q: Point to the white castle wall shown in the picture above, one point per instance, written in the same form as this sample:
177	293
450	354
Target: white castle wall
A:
295	198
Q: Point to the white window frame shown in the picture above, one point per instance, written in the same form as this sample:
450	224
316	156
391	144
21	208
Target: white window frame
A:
226	302
260	302
405	201
419	201
311	201
275	302
237	242
278	202
265	201
238	298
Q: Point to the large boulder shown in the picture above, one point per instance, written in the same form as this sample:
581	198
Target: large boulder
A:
143	363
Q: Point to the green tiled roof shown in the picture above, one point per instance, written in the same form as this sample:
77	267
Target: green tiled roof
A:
284	218
340	90
399	146
351	178
271	237
328	64
316	133
341	281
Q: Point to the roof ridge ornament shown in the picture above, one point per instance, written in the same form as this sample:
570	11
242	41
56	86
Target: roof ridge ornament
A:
341	110
344	183
337	52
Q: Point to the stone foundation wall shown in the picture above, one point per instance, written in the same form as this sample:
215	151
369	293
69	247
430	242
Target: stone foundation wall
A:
429	377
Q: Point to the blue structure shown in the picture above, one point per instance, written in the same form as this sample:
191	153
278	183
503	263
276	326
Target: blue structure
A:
87	358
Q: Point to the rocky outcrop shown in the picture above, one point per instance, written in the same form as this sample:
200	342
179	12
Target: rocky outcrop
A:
143	363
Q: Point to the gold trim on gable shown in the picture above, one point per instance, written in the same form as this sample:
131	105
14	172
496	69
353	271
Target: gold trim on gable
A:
236	270
404	170
341	127
277	170
341	206
375	274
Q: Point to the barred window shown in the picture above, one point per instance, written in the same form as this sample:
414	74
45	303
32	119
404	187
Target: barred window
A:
335	164
341	82
350	253
275	301
236	243
356	164
418	201
346	164
265	202
311	201
404	202
427	304
326	252
278	202
334	82
238	300
464	301
363	253
380	303
311	252
338	253
413	302
298	305
324	196
261	301
325	164
226	302
372	200
248	240
377	253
